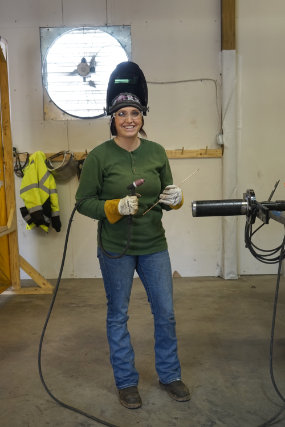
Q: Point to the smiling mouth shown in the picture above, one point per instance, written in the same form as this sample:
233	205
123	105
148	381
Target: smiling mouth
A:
129	127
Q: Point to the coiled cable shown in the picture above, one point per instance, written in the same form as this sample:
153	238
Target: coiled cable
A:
266	256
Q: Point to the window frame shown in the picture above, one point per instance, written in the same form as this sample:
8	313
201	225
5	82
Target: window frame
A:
48	35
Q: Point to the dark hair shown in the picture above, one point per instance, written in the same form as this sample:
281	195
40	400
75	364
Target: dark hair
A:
114	130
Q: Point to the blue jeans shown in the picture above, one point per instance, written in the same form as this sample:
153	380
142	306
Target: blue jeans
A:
154	271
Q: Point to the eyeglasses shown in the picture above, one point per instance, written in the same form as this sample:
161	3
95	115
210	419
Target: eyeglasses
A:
124	114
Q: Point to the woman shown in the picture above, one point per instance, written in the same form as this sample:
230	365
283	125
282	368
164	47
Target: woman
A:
106	174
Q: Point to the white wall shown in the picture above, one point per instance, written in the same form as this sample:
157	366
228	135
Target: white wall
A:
261	123
170	41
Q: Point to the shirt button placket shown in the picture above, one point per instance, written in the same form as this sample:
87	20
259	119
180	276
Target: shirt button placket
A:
133	163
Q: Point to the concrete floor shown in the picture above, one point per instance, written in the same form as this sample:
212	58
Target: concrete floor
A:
223	329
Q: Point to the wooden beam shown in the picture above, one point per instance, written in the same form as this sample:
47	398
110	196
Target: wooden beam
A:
9	169
44	285
5	273
228	24
11	224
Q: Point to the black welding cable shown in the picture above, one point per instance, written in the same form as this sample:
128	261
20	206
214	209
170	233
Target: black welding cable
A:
79	411
129	236
274	420
268	255
274	320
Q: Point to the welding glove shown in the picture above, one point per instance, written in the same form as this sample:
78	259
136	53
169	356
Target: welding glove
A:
128	205
172	196
116	208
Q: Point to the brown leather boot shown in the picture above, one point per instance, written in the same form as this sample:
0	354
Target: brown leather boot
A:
130	398
177	390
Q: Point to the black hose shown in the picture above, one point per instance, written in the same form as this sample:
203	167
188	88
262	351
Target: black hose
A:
274	319
71	408
267	256
129	236
249	245
274	419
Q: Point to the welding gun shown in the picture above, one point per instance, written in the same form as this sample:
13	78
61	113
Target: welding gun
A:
132	187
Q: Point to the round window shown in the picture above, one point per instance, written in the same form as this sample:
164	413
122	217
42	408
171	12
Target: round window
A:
77	67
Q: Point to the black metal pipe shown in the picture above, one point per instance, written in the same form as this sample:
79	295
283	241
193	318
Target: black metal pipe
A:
219	207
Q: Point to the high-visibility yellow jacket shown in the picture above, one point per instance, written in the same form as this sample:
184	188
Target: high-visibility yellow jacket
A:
39	193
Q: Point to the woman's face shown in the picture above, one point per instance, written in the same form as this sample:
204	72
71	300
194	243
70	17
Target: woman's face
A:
128	121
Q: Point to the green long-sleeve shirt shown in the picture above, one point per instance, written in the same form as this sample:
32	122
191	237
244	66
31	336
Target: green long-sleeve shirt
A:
107	171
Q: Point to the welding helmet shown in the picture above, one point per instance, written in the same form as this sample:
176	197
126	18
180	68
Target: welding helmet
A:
127	87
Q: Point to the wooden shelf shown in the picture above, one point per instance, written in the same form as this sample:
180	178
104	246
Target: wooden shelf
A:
181	153
202	153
